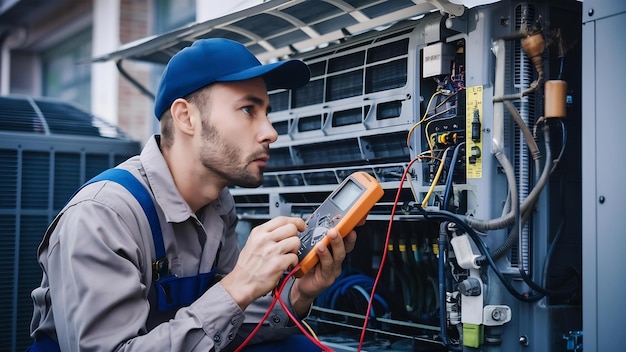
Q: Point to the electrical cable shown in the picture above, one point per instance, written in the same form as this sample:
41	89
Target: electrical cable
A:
527	204
419	157
415	280
404	285
448	189
341	286
310	329
528	280
526	207
550	251
443	326
408	137
528	297
563	143
454	93
298	323
436	179
277	292
431	143
514	204
258	326
419	267
557	236
384	254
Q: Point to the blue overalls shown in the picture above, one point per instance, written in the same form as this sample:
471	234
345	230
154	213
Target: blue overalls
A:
172	292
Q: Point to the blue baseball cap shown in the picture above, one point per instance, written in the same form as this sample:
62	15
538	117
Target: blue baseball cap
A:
213	60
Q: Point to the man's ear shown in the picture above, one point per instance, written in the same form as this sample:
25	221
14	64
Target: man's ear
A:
182	116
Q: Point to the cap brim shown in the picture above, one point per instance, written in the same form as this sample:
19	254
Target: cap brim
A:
289	74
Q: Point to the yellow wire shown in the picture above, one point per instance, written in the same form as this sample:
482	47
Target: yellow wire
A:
409	178
408	137
436	180
308	327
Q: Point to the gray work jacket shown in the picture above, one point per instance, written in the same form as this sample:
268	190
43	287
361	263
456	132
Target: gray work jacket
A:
97	260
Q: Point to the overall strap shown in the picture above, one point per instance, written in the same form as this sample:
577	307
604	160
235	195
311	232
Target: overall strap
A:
137	189
172	292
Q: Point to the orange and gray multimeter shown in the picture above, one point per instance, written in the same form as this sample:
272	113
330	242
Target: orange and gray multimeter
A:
345	208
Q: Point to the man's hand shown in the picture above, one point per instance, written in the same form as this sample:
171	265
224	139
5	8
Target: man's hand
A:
320	277
270	250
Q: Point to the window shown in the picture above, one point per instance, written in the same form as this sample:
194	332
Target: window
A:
172	14
64	77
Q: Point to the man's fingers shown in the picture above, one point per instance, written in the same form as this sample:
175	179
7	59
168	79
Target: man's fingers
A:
290	245
329	258
282	227
350	241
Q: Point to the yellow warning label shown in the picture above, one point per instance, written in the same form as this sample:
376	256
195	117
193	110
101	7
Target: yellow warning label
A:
474	131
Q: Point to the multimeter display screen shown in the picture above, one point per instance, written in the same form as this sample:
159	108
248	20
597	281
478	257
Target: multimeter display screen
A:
346	195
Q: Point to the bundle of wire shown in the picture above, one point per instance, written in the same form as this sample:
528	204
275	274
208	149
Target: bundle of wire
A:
300	324
384	256
349	288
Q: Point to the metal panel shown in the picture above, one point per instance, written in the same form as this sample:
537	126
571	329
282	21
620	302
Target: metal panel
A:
29	115
604	197
41	168
597	9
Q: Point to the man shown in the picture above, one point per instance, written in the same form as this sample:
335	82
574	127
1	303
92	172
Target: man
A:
98	290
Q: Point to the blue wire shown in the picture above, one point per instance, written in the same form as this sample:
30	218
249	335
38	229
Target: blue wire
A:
358	282
446	194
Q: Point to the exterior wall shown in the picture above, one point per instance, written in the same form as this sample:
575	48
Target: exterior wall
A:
113	23
27	42
135	109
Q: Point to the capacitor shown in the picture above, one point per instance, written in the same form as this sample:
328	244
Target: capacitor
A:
555	99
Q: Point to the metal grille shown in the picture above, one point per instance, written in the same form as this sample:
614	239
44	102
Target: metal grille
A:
48	116
44	159
523	76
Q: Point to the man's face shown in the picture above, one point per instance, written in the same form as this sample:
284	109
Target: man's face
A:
236	132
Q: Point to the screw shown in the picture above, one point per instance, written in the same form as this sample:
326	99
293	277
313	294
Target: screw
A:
523	340
590	12
601	199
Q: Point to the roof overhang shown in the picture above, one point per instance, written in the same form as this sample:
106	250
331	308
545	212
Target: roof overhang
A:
277	29
281	28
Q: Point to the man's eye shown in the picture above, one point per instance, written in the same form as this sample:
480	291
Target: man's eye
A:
247	110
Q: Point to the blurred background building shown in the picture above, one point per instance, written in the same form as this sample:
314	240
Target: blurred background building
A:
45	46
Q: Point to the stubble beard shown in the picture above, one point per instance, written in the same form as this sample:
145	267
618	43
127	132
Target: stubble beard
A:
223	159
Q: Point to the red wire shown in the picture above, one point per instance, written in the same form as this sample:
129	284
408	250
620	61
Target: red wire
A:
302	328
258	326
384	256
277	292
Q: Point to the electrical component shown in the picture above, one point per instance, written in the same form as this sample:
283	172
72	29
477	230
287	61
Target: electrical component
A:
474	154
534	46
555	99
470	287
437	59
473	124
344	208
472	310
464	250
476	127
